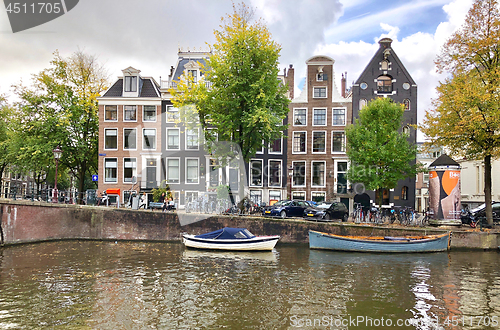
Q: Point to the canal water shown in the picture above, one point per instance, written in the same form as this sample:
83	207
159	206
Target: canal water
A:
137	285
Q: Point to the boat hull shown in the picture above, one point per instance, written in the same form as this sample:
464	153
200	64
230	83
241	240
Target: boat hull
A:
259	243
431	243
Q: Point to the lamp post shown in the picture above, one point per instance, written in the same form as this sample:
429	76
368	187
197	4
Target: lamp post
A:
290	174
57	154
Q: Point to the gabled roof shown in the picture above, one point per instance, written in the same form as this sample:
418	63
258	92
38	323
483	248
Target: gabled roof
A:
147	88
444	160
385	46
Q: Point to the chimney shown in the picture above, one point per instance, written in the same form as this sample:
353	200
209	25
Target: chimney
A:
343	84
385	42
290	79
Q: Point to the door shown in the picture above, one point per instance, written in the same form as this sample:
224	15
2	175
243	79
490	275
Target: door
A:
151	174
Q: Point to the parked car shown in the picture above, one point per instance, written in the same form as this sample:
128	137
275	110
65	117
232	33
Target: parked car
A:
327	211
479	214
286	208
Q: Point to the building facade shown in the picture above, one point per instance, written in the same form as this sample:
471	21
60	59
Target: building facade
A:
129	136
386	76
317	161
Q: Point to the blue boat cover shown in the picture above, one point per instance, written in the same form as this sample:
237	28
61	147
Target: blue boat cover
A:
228	233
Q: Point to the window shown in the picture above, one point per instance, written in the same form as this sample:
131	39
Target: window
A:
341	178
274	173
129	169
256	196
274	196
338	117
338	142
384	65
191	196
110	139
404	193
192	139
319	117
129	113
129	138
172	114
110	113
110	170
149	113
318	142
299	174
192	170
319	92
173	139
299	142
300	195
131	84
299	117
318	174
318	196
406	130
362	103
384	84
256	172
149	138
173	170
275	147
406	103
214	173
193	73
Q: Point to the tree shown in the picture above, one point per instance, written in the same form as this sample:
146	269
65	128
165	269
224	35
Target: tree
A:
240	97
380	155
465	117
60	109
6	135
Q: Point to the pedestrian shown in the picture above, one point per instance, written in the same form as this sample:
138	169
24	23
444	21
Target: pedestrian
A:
143	201
163	201
170	204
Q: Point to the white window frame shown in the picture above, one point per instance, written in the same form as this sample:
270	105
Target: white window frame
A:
197	130
320	97
144	140
269	175
305	173
343	143
105	136
179	136
143	110
261	151
312	142
336	173
275	152
133	84
174	113
293	139
326	117
299	192
178	168
111	120
294	116
105	181
124	136
128	120
134	171
345	116
318	192
197	171
277	192
312	174
250	179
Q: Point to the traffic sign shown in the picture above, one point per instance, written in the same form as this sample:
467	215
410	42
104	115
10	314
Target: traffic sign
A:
95	177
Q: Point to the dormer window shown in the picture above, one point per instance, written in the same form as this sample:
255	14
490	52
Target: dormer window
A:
194	74
384	84
130	84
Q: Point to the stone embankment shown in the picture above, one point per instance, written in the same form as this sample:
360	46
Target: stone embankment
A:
29	222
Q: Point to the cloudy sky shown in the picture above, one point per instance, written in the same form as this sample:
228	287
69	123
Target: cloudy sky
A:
147	35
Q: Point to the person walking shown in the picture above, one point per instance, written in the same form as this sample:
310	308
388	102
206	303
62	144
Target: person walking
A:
143	201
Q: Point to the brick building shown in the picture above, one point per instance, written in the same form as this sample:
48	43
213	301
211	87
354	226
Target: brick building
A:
317	162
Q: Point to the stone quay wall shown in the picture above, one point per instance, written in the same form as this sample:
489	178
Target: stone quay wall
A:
29	222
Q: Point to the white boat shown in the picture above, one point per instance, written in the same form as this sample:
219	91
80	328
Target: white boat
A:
230	239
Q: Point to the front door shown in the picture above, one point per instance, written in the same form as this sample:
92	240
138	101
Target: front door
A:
151	174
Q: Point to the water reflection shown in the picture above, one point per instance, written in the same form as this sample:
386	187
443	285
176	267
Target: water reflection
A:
103	285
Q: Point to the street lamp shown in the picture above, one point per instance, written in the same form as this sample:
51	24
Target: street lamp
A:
57	154
290	174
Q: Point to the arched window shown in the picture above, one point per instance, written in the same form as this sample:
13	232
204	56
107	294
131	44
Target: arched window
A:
406	103
406	130
384	65
384	84
362	103
404	193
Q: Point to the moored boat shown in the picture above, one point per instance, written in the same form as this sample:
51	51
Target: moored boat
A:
231	239
405	244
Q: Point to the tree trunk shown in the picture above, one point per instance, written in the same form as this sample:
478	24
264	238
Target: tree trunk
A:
487	189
